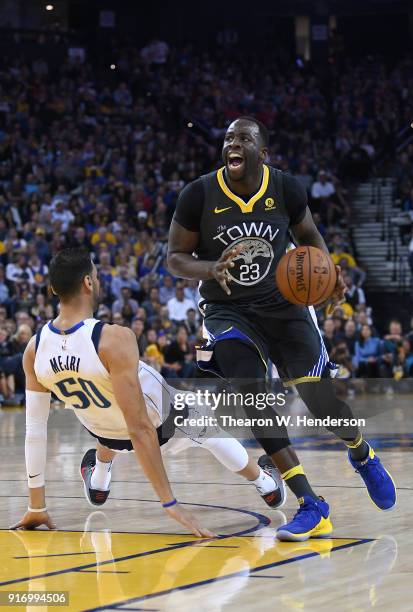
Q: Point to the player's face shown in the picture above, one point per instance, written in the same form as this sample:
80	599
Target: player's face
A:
242	151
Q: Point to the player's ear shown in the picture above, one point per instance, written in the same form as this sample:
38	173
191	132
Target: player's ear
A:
88	282
264	155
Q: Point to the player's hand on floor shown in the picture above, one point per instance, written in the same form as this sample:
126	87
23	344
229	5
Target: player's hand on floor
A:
220	268
31	520
187	520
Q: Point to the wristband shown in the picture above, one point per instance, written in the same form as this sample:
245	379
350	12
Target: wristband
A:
36	509
169	504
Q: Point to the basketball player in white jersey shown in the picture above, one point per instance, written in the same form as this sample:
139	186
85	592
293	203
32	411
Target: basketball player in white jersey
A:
93	369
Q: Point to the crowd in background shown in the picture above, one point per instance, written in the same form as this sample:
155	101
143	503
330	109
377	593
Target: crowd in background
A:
96	156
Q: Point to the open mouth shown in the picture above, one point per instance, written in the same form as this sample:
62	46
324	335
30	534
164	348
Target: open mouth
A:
235	161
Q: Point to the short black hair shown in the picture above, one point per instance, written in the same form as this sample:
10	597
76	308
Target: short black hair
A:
68	269
264	133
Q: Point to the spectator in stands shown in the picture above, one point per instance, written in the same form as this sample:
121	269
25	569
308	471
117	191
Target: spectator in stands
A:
409	335
124	279
191	291
125	302
368	353
322	192
138	328
179	356
354	295
328	334
350	336
405	358
167	289
179	305
191	323
342	356
305	177
357	275
4	289
392	342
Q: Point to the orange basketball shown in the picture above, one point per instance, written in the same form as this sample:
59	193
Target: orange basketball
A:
306	276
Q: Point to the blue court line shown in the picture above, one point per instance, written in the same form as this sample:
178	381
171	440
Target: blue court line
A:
263	521
219	578
92	552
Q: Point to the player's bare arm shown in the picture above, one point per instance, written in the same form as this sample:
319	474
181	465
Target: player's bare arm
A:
182	263
119	354
36	395
306	233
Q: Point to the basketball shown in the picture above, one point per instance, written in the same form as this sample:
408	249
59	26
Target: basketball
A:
306	276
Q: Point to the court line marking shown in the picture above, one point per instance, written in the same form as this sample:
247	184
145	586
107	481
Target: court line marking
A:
184	587
178	482
102	571
266	576
92	552
263	521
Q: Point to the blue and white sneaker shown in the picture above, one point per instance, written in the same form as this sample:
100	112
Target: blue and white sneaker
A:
312	520
380	485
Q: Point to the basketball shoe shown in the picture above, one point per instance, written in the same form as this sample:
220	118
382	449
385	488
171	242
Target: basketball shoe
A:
380	485
312	520
95	497
277	497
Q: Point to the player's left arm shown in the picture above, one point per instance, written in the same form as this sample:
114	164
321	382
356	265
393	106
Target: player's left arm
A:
37	414
304	230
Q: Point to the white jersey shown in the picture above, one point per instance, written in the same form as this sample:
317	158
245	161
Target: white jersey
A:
69	366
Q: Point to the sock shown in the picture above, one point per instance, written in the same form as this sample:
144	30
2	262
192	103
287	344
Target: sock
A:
359	448
297	482
264	483
101	475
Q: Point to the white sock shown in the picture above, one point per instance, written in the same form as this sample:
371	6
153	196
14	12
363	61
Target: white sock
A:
101	475
264	483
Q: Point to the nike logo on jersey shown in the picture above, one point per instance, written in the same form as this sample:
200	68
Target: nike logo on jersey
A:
30	476
220	210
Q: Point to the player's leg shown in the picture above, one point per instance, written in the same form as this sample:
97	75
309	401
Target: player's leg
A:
321	399
249	367
96	466
233	456
311	375
313	516
102	472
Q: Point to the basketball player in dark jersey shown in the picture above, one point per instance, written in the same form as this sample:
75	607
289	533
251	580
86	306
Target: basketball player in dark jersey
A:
229	230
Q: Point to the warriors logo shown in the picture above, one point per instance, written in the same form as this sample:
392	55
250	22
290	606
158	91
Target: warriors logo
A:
253	262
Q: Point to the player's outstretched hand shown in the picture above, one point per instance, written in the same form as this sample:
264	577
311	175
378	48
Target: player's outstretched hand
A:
338	296
187	520
31	520
220	268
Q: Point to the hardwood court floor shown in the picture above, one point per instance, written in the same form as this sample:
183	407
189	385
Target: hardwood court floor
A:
132	557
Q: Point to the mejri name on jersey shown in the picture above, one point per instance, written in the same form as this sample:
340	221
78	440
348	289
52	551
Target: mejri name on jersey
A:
71	364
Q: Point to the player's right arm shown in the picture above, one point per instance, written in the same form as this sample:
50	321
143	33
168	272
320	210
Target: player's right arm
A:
37	414
119	353
184	237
